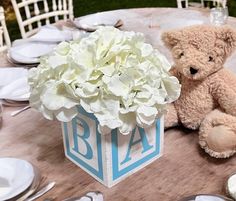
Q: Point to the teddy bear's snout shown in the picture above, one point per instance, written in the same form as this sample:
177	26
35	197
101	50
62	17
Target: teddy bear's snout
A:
193	70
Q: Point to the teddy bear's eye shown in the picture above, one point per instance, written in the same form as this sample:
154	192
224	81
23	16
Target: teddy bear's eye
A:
210	58
181	54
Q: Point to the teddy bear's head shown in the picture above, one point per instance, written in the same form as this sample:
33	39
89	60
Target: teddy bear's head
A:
200	50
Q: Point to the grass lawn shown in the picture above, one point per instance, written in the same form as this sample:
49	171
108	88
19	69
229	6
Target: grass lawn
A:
84	7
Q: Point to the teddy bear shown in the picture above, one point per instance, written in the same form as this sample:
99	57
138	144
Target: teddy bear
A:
208	90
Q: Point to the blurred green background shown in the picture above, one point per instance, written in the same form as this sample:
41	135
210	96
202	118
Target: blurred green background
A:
84	7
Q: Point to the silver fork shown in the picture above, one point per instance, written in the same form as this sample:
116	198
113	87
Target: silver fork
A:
42	191
93	196
20	110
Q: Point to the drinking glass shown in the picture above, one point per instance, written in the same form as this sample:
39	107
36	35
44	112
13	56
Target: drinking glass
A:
219	15
1	110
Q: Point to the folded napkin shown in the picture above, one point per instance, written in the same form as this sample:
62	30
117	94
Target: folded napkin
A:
49	34
95	196
14	84
43	42
16	176
30	52
92	22
7	174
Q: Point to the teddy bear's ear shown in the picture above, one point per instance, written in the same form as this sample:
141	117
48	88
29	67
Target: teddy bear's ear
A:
170	38
228	36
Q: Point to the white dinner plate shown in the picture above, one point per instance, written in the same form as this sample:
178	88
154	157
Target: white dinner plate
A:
13	103
92	22
16	63
17	177
29	52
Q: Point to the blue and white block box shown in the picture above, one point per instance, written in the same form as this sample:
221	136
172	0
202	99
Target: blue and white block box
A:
112	157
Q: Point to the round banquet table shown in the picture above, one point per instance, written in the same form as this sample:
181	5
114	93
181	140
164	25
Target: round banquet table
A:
184	169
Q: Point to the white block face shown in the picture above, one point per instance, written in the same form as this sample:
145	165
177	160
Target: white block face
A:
110	159
83	145
134	150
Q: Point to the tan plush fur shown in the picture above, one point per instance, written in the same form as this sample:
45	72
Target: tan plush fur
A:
208	94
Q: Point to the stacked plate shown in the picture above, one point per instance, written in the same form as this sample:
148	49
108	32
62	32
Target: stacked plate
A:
27	52
17	177
92	22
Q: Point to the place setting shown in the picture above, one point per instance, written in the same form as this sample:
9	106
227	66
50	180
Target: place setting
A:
91	23
20	180
14	91
14	88
49	36
43	42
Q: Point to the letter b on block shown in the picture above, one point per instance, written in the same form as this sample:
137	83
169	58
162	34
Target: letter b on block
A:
83	143
82	136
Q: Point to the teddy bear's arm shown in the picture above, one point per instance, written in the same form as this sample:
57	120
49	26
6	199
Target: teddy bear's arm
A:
171	117
225	97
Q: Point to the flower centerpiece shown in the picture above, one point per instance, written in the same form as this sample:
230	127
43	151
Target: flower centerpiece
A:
110	81
113	74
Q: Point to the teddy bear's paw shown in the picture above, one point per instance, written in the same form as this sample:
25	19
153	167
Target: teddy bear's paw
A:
219	141
225	154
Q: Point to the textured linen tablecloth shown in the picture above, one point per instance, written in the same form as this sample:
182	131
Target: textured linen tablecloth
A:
184	169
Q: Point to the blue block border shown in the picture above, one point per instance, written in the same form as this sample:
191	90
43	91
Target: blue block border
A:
99	172
115	158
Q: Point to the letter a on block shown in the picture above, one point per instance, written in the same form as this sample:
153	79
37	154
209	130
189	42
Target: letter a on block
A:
142	139
84	136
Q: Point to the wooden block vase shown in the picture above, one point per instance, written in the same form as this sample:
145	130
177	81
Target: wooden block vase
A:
112	157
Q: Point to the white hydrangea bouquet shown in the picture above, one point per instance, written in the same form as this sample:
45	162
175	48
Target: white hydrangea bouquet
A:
113	74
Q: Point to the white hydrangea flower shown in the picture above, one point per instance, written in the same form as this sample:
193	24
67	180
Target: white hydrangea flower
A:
113	74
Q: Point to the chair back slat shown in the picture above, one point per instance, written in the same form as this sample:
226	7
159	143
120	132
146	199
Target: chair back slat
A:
28	15
46	10
40	12
37	12
70	9
1	36
59	5
64	8
5	41
201	3
36	9
54	7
